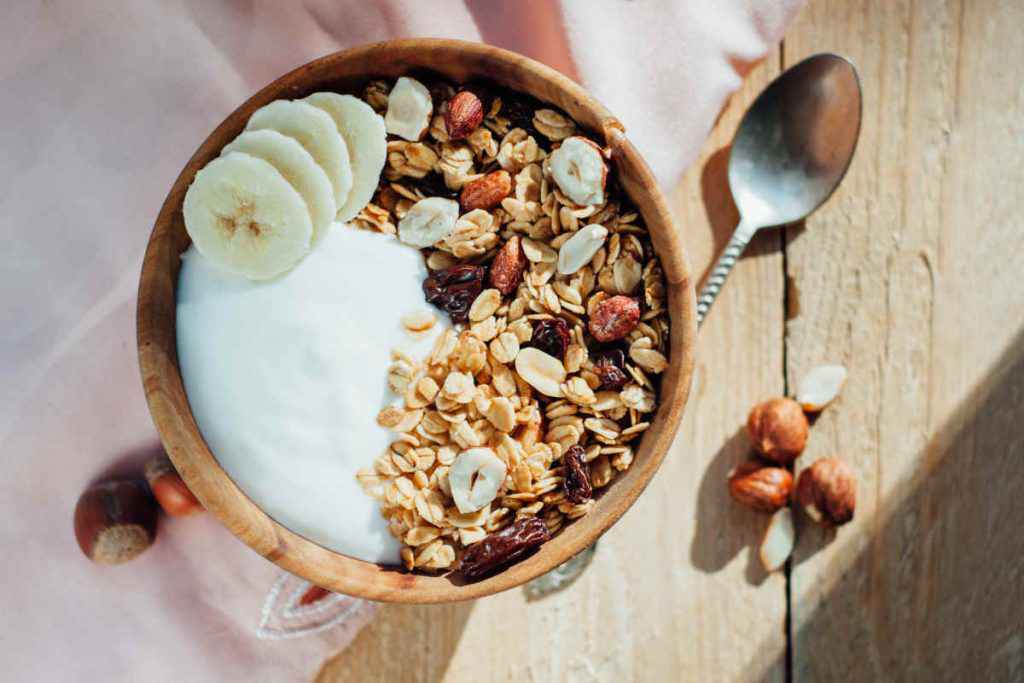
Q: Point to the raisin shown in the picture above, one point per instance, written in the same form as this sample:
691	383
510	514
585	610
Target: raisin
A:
577	478
454	289
503	547
551	336
609	366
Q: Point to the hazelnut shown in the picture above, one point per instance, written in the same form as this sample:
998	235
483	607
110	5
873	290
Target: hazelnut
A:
760	487
827	491
778	429
115	521
169	489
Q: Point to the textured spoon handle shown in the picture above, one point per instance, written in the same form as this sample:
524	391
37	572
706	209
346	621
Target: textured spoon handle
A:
720	272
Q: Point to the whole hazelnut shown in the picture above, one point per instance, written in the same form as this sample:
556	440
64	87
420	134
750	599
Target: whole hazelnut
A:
115	521
827	491
778	429
169	489
760	487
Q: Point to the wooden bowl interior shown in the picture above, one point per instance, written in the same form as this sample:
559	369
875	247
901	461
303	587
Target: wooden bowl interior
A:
348	72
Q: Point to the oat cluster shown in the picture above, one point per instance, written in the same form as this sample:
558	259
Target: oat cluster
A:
488	383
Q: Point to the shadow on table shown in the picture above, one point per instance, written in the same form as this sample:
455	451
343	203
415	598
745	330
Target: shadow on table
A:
420	641
723	216
724	528
934	587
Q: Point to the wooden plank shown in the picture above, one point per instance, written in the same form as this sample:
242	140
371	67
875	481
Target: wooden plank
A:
910	277
675	592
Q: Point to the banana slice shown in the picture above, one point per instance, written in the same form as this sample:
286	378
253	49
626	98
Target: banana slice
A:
297	166
363	130
315	130
243	216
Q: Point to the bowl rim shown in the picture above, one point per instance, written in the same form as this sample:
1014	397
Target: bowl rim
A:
215	489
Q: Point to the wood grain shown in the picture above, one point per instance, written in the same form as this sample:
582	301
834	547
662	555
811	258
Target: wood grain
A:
346	72
910	277
674	592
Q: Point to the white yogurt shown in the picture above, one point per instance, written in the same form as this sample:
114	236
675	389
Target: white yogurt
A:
285	379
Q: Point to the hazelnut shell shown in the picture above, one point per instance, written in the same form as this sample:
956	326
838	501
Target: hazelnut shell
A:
827	491
760	487
169	489
778	429
115	521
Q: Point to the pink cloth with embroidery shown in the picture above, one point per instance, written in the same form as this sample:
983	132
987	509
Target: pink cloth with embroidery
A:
102	104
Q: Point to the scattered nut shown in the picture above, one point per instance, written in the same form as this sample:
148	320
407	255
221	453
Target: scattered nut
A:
778	429
508	266
475	477
169	488
115	521
820	386
409	109
827	491
486	192
579	171
614	318
541	371
465	114
779	539
765	489
579	249
428	221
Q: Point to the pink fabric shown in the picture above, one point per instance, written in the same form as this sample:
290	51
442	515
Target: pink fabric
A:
102	103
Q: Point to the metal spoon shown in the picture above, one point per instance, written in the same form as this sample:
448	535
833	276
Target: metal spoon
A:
793	146
792	149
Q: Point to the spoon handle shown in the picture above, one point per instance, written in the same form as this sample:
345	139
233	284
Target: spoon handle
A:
731	254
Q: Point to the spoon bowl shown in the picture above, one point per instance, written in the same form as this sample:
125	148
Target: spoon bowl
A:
796	141
792	149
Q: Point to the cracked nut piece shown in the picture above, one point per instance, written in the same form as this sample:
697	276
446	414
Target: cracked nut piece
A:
778	429
578	250
765	489
543	372
779	539
465	114
820	386
475	477
827	491
579	170
409	109
429	221
508	266
486	192
614	318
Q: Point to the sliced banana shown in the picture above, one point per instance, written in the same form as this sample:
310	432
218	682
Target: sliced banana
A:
475	478
409	109
364	134
245	217
297	166
315	130
428	221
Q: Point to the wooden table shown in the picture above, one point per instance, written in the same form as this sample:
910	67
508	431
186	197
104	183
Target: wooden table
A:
911	276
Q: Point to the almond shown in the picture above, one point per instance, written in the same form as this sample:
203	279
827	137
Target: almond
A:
508	266
486	192
465	114
614	318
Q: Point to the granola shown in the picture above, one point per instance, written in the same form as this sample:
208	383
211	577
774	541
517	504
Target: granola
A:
533	402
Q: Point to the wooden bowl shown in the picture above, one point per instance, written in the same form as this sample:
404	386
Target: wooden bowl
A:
346	72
